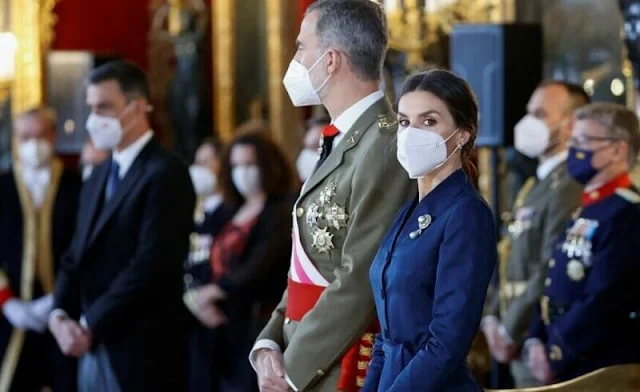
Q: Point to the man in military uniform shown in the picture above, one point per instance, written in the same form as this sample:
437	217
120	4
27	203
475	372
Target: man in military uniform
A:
314	340
589	315
38	207
541	210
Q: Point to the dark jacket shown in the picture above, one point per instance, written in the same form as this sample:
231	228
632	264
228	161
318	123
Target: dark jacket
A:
124	269
429	282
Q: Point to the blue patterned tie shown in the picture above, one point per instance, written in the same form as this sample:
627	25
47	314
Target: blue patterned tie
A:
114	179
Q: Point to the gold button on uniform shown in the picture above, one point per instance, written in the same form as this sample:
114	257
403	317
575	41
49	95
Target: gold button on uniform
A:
552	263
300	212
555	353
320	372
547	282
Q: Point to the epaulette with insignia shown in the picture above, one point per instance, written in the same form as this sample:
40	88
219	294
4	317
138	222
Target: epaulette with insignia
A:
629	195
387	122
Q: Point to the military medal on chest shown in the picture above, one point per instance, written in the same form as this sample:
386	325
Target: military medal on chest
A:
322	240
578	240
335	216
575	270
524	216
323	216
577	246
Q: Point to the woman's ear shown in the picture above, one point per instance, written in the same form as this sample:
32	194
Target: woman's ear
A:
463	138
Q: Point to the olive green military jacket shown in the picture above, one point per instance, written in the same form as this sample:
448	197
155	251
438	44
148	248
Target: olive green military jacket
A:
540	214
365	185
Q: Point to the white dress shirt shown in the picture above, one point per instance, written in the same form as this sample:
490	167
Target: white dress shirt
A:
545	168
126	157
37	181
348	118
344	122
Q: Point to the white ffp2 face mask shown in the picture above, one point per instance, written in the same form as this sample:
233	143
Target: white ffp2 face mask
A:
204	181
420	152
105	132
35	153
246	179
297	82
532	136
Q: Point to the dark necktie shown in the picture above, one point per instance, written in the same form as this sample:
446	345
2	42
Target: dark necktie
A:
329	133
114	179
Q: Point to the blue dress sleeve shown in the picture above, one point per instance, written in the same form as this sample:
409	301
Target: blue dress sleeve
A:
375	367
467	257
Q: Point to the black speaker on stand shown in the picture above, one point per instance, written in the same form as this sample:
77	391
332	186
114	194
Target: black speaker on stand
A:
503	65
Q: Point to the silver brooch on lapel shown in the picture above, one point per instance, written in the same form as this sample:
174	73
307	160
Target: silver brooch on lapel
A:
423	222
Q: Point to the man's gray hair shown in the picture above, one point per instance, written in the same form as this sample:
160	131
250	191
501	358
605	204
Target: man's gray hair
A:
358	28
620	122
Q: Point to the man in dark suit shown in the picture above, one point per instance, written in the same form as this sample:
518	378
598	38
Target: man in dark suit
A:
118	298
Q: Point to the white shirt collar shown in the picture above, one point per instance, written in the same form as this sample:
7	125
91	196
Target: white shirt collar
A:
37	181
211	203
545	168
348	118
126	157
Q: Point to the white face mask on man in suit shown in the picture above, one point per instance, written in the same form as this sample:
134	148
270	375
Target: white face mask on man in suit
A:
108	132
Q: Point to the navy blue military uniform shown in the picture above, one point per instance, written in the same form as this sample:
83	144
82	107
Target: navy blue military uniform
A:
589	314
429	281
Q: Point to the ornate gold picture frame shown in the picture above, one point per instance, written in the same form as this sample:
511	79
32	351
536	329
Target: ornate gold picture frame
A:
32	23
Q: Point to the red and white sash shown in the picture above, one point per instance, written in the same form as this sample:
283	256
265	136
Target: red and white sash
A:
302	268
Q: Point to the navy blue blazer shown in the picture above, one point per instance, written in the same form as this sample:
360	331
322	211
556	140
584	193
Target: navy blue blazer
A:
429	281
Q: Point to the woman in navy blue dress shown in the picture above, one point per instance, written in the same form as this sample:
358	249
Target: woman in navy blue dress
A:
431	273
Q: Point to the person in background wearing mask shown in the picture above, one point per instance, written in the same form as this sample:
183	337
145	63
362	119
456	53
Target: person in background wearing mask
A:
118	298
308	157
540	212
210	216
249	256
90	157
38	207
205	171
320	334
431	273
589	315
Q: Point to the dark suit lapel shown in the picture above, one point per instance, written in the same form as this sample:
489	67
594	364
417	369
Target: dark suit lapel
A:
99	181
124	189
350	140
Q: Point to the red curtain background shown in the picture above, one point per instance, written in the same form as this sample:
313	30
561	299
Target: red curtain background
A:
116	26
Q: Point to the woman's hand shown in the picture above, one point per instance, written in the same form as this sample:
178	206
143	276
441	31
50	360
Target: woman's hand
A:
207	311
